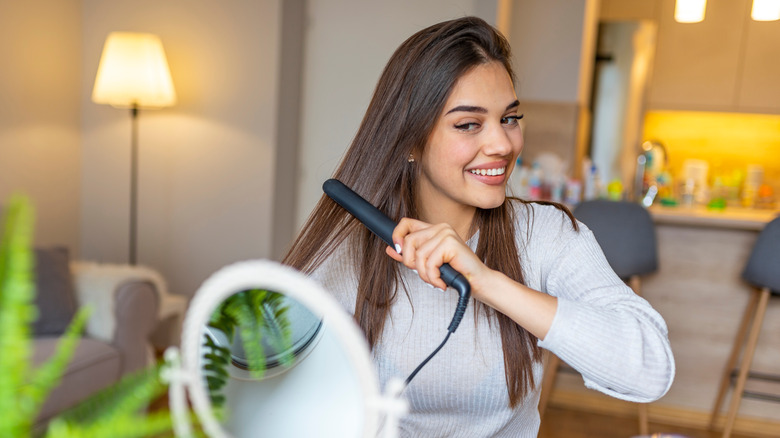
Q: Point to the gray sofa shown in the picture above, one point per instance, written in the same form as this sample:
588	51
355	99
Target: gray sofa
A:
117	338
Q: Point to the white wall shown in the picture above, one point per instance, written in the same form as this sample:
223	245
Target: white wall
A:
206	165
348	43
40	52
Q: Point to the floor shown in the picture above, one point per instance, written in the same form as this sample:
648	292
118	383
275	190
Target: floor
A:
563	423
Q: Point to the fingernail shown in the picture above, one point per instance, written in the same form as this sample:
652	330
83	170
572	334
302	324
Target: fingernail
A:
415	271
398	248
440	289
429	285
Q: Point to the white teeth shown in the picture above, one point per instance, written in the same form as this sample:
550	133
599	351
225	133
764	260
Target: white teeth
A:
490	172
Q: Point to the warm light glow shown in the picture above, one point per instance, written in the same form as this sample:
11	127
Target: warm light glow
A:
730	142
765	10
689	11
133	71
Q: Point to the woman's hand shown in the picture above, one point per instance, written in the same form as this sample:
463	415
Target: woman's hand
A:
425	247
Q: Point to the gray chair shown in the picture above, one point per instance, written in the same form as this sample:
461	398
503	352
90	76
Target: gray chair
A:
762	271
626	233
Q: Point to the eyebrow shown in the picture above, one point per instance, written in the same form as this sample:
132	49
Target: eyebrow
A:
479	109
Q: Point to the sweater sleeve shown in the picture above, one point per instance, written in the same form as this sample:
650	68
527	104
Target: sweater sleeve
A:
610	335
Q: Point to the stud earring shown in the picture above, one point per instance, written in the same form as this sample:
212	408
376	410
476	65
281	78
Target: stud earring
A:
410	159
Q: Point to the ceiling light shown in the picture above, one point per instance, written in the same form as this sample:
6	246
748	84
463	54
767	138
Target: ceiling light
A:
765	10
689	11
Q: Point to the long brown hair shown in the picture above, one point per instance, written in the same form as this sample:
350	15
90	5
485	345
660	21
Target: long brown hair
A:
408	99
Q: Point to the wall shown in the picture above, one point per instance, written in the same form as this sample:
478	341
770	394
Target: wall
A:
347	45
206	165
553	44
40	49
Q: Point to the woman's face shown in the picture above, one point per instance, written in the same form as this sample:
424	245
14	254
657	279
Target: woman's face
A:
473	147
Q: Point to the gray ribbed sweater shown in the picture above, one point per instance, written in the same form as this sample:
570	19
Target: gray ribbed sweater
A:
610	335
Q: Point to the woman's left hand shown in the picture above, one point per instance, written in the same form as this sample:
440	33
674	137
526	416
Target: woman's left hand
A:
425	247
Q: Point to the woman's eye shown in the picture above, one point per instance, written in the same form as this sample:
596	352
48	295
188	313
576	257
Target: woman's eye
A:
511	120
471	126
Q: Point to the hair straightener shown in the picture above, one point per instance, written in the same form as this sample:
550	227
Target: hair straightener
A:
383	227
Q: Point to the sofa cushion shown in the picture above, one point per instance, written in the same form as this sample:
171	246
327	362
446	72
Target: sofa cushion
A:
55	297
95	365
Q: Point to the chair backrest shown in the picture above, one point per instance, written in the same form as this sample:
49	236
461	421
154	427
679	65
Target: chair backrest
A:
763	266
625	232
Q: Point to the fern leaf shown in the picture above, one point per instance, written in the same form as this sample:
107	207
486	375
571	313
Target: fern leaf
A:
215	356
250	332
17	312
253	314
275	321
216	359
216	368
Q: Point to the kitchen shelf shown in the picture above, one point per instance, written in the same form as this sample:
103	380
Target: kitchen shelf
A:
731	217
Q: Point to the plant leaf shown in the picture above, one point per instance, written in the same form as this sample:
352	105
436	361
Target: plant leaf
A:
17	312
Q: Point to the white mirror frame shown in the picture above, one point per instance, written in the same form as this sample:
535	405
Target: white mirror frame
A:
184	372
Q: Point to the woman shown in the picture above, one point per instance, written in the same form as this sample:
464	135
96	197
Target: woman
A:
434	152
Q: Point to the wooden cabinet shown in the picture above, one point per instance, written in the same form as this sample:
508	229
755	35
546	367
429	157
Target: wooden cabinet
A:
728	62
697	64
619	10
759	85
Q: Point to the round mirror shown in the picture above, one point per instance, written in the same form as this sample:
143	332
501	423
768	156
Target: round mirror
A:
267	352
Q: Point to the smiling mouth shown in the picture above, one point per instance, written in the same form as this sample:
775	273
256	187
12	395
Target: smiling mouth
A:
489	172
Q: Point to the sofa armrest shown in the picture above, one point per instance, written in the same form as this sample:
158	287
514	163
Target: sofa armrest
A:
136	306
125	303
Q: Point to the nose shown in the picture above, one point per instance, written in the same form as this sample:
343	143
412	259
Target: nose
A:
502	142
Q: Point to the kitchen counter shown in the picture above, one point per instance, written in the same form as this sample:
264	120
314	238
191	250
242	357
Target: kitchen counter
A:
731	217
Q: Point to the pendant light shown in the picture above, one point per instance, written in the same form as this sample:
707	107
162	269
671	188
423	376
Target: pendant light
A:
765	10
689	11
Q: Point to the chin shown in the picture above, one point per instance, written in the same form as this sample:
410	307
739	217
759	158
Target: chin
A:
492	201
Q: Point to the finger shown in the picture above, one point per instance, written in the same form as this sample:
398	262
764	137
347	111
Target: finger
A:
412	235
433	264
440	249
389	250
426	266
405	227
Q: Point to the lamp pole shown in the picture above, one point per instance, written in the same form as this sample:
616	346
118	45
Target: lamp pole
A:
133	181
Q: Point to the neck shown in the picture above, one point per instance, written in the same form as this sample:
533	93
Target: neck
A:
459	217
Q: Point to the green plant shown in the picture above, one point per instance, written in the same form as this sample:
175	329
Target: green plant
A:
256	315
118	411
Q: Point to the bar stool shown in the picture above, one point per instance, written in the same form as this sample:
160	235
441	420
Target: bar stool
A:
762	271
626	233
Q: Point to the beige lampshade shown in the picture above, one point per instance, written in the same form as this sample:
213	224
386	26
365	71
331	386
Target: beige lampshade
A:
133	71
689	11
765	10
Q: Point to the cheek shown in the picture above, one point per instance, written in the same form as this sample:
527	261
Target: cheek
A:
448	152
518	140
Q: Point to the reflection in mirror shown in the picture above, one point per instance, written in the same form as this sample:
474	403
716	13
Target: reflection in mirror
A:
302	369
254	333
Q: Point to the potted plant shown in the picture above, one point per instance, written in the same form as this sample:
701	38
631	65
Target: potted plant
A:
119	411
122	409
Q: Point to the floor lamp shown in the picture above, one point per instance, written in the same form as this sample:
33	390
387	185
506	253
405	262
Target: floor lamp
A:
133	73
